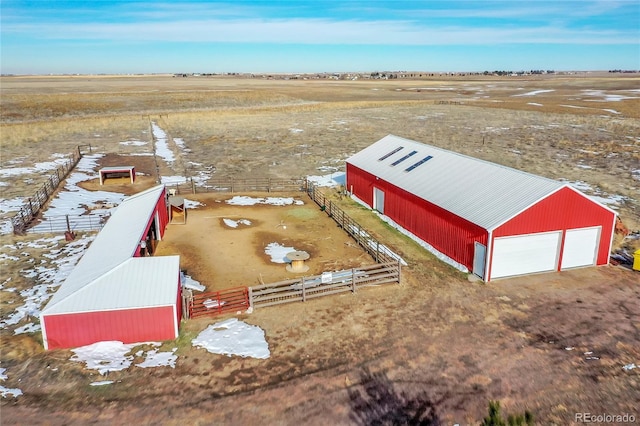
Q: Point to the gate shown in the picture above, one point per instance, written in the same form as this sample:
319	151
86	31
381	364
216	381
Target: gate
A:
219	302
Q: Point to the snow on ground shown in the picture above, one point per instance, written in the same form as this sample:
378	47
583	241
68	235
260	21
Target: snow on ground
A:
47	276
234	223
609	200
108	356
154	358
233	337
334	179
190	283
76	201
37	168
446	259
423	244
278	252
133	143
104	356
534	92
7	392
162	147
606	97
375	245
241	200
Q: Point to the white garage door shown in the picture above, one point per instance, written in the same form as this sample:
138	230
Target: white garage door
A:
580	246
525	254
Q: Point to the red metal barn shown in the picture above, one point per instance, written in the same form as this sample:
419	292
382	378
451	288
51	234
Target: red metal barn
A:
117	291
490	219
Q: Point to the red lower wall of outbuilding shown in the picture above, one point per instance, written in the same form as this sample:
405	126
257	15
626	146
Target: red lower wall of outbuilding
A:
127	326
446	232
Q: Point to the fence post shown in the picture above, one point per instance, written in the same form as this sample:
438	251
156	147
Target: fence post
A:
250	297
377	251
353	280
304	296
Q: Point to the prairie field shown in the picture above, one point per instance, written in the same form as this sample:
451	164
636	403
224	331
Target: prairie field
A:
552	344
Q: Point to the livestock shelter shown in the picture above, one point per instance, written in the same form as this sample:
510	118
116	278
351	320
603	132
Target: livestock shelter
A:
117	291
493	220
117	172
177	210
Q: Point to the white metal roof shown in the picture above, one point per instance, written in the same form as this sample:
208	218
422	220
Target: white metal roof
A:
116	169
108	277
479	191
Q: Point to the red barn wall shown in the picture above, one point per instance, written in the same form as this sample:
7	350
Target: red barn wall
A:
564	209
446	232
127	326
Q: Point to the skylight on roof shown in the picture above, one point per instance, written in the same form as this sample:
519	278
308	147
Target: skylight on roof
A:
413	166
384	157
395	163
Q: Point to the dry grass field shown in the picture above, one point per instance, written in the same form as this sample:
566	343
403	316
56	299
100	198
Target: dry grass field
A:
436	339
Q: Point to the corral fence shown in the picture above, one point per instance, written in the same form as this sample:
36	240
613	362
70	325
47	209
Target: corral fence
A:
69	223
386	270
326	284
231	184
371	245
289	291
35	203
217	302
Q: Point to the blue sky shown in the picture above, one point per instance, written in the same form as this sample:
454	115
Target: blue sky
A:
58	37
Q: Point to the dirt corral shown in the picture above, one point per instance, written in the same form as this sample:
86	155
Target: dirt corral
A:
227	245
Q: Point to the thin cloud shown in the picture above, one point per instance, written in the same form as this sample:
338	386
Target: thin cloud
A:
318	31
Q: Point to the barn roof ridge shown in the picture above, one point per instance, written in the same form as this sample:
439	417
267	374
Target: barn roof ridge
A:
477	190
114	246
469	157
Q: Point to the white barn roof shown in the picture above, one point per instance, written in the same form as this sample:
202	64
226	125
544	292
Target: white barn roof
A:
109	277
479	191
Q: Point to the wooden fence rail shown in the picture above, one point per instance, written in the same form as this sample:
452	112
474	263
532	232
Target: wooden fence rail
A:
289	291
380	252
239	185
64	223
328	283
35	203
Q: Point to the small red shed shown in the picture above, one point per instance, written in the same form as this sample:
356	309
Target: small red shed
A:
490	219
116	291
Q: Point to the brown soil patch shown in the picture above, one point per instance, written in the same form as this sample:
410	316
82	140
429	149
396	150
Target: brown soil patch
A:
221	256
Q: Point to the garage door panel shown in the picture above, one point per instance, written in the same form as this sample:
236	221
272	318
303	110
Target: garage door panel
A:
580	247
525	254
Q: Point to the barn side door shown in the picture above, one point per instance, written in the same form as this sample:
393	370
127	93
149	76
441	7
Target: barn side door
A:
378	200
479	255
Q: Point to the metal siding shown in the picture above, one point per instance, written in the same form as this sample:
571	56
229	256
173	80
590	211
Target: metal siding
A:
117	242
478	191
359	183
565	209
446	232
127	326
140	282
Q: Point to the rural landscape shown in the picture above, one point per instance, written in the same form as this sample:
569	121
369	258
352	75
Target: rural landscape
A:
435	348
